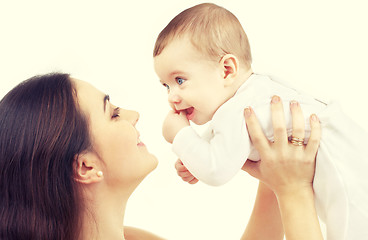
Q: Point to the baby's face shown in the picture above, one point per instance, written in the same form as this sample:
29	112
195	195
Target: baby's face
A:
195	84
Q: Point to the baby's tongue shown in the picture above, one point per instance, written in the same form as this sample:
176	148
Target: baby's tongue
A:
190	113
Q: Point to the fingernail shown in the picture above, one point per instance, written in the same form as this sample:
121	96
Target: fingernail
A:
314	118
293	104
275	99
247	112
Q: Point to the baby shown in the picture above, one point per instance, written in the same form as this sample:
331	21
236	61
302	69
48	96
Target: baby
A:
203	58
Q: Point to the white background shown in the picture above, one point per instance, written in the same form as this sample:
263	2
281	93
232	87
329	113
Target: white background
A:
318	46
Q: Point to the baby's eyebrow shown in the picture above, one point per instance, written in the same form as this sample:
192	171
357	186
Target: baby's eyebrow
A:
176	72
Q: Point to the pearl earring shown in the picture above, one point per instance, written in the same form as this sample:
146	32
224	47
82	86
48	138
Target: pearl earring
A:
99	173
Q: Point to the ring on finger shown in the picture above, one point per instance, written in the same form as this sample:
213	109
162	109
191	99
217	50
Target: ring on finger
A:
296	141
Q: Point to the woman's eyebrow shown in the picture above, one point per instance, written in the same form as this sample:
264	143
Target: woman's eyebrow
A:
106	98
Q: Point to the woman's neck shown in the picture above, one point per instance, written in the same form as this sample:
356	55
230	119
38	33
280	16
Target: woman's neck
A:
103	216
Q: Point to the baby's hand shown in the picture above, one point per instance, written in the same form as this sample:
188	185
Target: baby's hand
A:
173	123
184	173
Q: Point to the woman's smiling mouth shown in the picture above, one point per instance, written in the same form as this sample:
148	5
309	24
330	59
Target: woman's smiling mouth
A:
140	143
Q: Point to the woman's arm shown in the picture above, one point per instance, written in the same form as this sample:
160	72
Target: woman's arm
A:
287	170
265	221
299	215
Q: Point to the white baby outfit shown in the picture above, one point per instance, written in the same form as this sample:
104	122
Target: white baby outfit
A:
341	177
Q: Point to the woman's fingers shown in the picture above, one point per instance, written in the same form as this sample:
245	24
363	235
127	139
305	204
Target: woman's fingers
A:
254	130
278	121
283	165
297	120
315	137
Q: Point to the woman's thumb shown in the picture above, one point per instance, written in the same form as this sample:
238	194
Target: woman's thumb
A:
251	167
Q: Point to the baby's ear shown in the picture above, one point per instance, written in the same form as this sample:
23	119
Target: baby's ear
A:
230	66
87	169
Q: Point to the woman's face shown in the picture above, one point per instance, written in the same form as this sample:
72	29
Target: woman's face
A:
114	137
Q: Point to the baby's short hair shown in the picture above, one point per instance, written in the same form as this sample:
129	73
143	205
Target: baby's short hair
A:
213	30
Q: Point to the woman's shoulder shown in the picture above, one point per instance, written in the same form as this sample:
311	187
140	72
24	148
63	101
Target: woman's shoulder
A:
132	233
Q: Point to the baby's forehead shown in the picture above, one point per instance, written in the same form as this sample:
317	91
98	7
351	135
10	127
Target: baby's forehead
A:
187	46
179	39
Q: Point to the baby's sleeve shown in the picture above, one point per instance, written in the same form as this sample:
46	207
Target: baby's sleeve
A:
216	161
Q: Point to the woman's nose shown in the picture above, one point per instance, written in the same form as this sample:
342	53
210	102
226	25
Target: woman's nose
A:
131	116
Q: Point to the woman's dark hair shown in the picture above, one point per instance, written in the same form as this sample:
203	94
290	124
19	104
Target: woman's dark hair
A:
42	131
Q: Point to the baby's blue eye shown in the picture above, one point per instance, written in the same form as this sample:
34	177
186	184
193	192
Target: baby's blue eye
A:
166	86
179	80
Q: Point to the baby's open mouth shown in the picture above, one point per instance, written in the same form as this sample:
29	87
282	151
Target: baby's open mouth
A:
189	113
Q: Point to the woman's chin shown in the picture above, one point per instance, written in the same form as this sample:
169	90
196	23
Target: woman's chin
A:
153	164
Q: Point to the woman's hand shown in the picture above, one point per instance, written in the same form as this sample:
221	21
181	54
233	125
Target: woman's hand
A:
284	167
288	170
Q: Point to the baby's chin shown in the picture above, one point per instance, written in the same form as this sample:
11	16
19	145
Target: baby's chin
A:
200	121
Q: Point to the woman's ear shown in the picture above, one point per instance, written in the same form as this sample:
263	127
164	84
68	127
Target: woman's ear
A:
230	67
87	168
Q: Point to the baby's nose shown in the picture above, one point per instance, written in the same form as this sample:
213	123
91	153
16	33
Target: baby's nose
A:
173	98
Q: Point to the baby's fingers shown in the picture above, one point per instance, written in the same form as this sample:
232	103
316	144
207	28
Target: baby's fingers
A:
315	137
194	181
255	132
189	179
179	166
185	174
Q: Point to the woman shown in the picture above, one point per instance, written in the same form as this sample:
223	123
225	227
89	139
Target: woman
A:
65	175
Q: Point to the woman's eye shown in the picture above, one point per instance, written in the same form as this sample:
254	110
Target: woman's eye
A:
179	80
116	113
